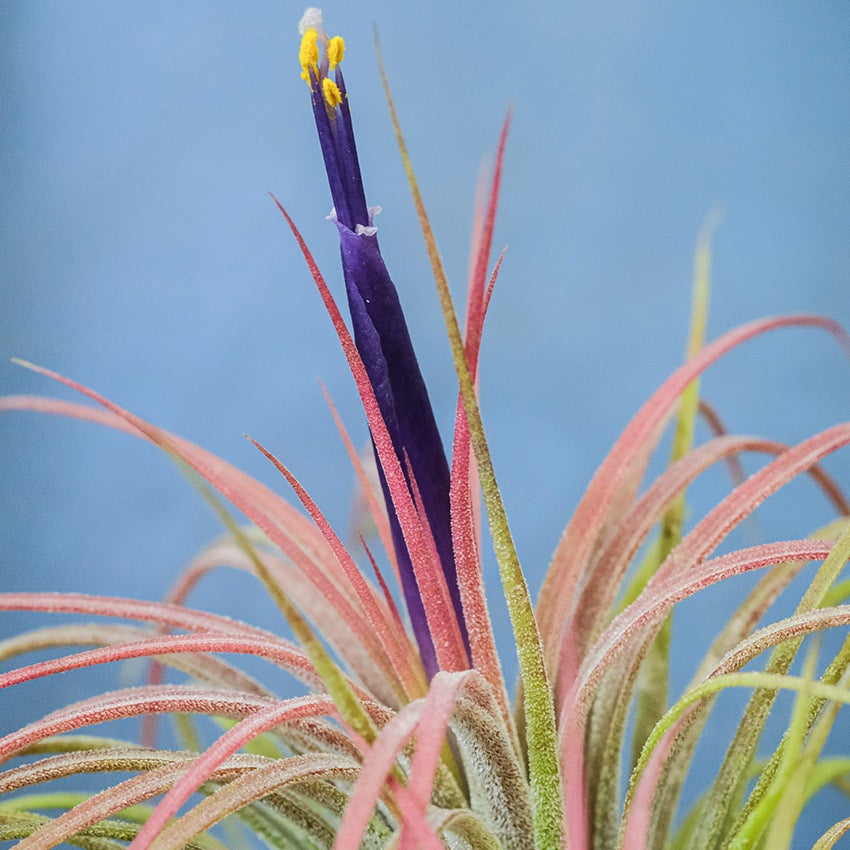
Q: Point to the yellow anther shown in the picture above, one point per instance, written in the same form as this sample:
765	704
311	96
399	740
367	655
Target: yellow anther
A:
333	96
308	55
336	47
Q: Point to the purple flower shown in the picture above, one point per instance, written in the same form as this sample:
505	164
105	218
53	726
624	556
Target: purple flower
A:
380	330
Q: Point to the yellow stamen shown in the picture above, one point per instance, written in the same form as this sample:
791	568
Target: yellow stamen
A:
308	55
336	47
333	96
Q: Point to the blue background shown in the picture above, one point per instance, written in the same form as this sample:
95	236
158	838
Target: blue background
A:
143	256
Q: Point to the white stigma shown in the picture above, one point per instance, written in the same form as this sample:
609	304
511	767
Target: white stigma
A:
312	19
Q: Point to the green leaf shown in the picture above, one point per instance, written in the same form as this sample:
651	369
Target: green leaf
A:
652	691
757	822
733	771
541	731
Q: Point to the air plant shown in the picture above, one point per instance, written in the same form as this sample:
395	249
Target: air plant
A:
407	735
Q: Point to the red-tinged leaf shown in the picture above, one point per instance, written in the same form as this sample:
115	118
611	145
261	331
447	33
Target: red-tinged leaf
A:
204	766
825	481
492	284
396	645
377	765
70	634
704	538
388	598
734	631
639	813
132	702
750	612
610	565
538	704
708	533
667	590
306	597
377	509
557	597
651	769
482	642
465	492
418	503
736	470
265	509
444	628
297	525
161	768
255	785
201	666
105	760
161	614
479	211
616	554
466	534
628	632
715	424
477	298
465	457
420	835
621	501
73	410
430	736
787	629
571	735
732	772
381	756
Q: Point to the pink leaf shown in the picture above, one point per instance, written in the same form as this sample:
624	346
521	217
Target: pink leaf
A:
161	614
161	770
376	508
132	702
236	737
395	643
557	595
381	757
636	827
263	507
623	635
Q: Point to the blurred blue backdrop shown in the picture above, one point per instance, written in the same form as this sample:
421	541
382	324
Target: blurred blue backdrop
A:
143	256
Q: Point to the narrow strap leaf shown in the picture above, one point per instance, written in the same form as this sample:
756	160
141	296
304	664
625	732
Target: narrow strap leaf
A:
544	768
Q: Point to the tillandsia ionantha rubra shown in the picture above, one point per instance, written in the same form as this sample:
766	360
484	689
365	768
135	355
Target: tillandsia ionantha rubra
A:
407	738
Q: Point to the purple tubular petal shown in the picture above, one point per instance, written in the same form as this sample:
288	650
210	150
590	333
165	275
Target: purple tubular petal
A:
348	154
333	167
336	138
382	338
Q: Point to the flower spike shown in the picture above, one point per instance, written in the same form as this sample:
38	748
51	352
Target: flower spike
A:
380	330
